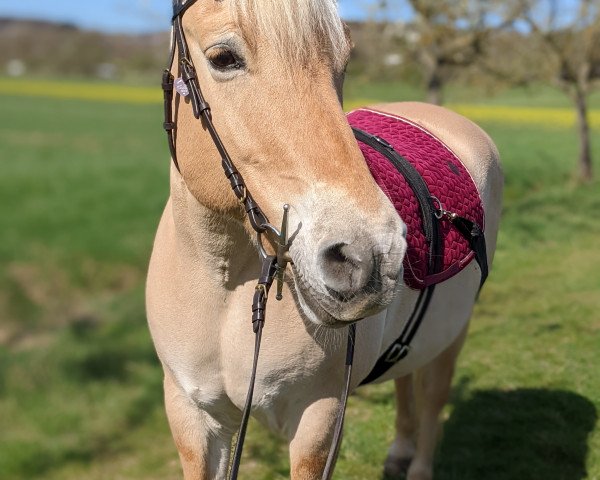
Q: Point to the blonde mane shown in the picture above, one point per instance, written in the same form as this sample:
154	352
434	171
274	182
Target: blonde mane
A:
299	29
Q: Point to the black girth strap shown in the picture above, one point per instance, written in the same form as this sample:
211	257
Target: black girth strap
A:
431	214
400	348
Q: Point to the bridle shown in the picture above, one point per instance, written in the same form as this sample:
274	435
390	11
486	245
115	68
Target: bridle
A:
188	86
273	266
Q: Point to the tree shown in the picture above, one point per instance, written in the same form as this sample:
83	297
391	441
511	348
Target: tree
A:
445	38
570	41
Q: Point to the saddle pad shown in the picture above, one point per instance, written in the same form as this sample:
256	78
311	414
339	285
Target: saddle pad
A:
445	175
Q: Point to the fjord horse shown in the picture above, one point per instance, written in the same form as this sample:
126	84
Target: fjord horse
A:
272	72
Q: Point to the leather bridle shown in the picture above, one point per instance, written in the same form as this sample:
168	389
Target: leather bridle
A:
273	266
188	86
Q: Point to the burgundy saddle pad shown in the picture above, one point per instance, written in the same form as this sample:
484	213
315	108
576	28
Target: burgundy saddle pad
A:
448	181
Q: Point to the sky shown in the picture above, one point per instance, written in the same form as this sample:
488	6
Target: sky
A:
134	16
142	16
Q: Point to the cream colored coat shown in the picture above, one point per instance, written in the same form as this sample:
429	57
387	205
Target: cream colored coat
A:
200	286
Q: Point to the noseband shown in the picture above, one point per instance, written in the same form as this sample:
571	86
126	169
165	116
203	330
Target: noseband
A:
273	266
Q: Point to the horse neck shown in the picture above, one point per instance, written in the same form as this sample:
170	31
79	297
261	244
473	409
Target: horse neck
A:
213	240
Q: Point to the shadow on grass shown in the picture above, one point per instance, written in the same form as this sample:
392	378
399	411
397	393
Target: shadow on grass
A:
108	352
525	434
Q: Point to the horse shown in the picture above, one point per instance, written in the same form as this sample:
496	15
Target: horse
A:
273	73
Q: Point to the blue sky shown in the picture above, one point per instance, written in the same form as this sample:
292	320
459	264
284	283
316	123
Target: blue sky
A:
122	15
135	16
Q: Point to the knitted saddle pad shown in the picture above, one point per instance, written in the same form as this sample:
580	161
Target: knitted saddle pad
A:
447	179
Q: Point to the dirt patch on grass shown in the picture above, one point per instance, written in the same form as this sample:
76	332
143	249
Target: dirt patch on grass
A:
43	288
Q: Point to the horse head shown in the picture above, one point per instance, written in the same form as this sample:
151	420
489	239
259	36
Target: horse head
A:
272	73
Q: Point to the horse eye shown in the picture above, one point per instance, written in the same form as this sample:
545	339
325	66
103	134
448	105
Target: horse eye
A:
224	60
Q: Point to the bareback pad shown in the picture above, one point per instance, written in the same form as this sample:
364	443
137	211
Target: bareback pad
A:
448	181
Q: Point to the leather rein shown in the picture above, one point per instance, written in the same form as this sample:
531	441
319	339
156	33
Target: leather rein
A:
273	266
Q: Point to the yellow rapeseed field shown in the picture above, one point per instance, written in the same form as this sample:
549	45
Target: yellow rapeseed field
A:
550	117
542	116
101	92
557	117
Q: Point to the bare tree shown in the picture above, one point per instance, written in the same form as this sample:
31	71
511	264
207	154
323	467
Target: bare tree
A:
570	41
445	38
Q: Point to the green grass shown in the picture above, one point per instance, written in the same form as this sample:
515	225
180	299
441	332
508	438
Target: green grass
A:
81	190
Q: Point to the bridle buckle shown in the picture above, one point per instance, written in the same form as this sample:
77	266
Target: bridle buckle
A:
262	288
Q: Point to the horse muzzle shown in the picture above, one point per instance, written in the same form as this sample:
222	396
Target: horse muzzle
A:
353	278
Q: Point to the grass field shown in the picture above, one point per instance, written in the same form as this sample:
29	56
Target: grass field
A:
82	186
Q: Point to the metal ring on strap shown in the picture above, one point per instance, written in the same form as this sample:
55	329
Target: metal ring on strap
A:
259	237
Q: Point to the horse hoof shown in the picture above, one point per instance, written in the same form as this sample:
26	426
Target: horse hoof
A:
395	468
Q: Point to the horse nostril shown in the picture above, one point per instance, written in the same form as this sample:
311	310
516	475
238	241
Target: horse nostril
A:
346	269
339	254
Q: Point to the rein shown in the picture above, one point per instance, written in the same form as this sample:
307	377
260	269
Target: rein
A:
273	266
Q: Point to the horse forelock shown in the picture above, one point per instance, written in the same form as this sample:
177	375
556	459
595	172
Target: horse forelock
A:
300	30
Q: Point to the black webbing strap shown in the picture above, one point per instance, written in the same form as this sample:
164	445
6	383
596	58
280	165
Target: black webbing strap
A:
400	348
474	235
430	215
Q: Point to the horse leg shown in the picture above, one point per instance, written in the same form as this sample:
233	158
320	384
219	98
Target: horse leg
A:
311	440
204	455
402	450
432	389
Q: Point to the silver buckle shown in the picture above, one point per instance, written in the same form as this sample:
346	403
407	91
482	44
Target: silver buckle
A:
397	353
